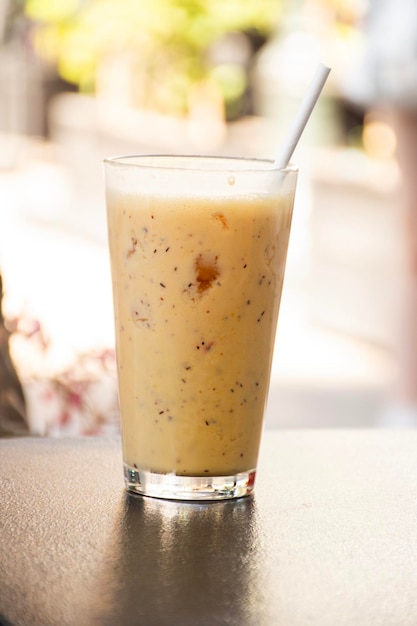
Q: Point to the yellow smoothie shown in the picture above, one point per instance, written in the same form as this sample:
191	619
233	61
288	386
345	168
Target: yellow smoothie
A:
197	284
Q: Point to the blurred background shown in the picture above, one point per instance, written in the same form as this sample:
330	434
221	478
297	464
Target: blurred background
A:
81	80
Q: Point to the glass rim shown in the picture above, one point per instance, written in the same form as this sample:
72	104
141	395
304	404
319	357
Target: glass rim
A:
124	161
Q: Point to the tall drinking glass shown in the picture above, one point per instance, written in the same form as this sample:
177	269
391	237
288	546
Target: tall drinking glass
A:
198	248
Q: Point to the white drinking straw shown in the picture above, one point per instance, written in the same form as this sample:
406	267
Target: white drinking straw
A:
306	107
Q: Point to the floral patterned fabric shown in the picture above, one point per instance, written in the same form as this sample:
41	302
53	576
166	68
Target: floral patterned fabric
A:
79	400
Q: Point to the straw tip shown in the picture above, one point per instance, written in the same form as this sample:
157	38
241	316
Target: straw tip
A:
324	69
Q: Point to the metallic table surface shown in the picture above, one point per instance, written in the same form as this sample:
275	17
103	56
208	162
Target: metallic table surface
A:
330	538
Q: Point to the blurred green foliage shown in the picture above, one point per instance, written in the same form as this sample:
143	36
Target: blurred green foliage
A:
165	42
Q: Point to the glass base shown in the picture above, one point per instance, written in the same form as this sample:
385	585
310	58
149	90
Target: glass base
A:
198	488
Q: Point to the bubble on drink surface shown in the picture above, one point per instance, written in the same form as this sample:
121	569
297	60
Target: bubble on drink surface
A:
231	180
